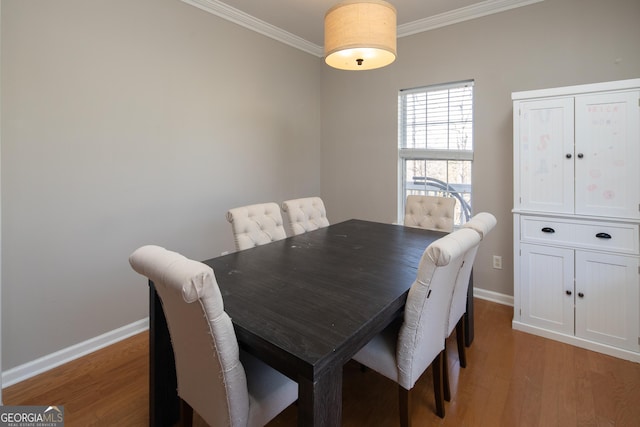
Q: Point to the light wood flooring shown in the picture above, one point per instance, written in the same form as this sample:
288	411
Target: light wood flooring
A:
512	379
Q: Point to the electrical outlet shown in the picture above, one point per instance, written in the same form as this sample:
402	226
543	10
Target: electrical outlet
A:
497	262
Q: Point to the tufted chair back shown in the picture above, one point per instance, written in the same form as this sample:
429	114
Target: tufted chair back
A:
256	225
224	385
426	312
210	376
306	214
402	352
429	212
459	299
482	224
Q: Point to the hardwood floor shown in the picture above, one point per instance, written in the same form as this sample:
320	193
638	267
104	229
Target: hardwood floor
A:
512	379
106	388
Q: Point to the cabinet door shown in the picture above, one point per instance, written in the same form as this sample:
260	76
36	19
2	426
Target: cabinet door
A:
545	139
607	299
607	154
547	287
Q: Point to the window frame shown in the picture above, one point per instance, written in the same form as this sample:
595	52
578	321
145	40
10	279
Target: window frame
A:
405	154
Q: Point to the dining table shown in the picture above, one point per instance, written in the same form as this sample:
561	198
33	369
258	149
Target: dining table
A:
305	305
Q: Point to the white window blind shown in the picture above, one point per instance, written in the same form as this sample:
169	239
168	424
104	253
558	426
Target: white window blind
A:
437	118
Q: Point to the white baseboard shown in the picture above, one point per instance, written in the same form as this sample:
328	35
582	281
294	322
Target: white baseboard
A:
50	361
578	342
493	296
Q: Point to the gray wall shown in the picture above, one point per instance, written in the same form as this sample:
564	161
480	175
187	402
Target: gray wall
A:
548	44
127	123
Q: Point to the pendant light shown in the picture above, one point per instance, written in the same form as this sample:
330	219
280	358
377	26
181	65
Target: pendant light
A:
360	35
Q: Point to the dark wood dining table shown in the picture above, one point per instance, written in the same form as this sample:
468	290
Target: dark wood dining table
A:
305	305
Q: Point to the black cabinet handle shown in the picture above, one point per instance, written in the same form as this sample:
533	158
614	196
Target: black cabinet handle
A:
568	155
548	230
580	155
568	292
580	294
603	236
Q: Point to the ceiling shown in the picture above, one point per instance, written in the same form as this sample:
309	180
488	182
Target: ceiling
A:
300	23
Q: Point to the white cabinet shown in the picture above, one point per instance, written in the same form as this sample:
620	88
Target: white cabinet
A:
587	294
577	215
579	154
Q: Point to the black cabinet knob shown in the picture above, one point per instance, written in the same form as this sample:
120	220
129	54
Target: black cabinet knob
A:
580	294
580	155
568	292
568	155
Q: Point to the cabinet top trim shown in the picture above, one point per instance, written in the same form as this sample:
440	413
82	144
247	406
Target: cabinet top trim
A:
578	89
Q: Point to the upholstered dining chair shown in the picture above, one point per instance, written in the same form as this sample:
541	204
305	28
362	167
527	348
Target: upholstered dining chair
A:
256	225
404	350
482	223
429	212
223	384
306	214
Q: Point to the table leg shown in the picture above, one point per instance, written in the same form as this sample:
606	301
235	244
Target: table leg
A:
164	405
320	403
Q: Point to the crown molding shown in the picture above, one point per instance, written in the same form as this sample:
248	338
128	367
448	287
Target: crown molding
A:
239	17
477	10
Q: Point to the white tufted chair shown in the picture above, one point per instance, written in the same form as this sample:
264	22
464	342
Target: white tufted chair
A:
403	351
256	225
429	212
305	214
226	386
482	223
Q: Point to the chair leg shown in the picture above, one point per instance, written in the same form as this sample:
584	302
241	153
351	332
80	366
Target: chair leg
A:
462	355
437	384
445	374
186	414
405	407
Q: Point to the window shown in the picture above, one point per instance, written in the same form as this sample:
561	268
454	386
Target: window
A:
435	140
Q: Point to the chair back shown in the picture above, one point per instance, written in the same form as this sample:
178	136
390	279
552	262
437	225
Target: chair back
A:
426	312
429	212
306	214
482	223
256	225
211	378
